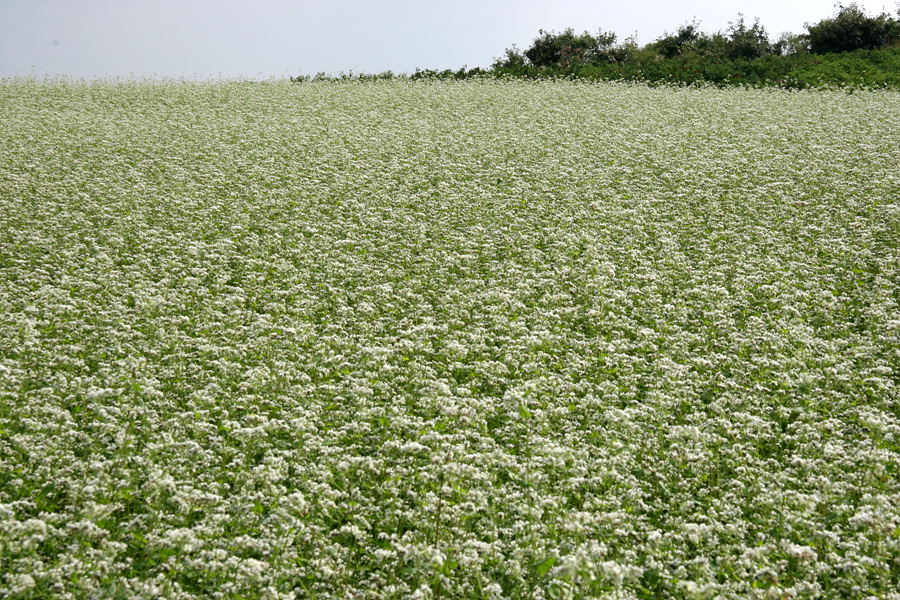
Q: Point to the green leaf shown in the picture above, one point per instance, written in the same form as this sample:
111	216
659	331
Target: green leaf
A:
523	410
545	565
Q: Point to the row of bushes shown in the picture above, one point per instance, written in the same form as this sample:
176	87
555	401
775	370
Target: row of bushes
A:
848	30
860	68
850	49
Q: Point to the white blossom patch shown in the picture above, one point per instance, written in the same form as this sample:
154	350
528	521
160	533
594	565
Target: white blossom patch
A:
448	339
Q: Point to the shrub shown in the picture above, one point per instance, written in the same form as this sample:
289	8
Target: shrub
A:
567	49
851	29
672	45
747	43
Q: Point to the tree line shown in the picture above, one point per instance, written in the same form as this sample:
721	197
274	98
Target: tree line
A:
850	48
848	30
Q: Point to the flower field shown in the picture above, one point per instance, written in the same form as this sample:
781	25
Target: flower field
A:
436	339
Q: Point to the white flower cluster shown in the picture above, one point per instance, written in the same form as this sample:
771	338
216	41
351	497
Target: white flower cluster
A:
431	339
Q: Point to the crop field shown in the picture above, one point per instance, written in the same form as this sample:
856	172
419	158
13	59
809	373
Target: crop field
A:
435	339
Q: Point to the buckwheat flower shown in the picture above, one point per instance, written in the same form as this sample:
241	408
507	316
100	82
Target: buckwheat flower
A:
32	532
20	584
343	342
801	553
296	501
253	568
181	537
423	592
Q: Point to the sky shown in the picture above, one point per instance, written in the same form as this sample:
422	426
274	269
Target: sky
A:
200	39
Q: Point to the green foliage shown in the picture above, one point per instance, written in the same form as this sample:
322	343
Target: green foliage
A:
513	59
567	49
742	55
747	43
739	42
461	73
671	45
862	68
791	43
852	29
850	49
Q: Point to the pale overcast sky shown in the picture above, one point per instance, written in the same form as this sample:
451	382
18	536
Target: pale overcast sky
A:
261	38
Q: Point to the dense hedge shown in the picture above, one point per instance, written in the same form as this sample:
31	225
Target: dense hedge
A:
848	50
861	68
858	69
